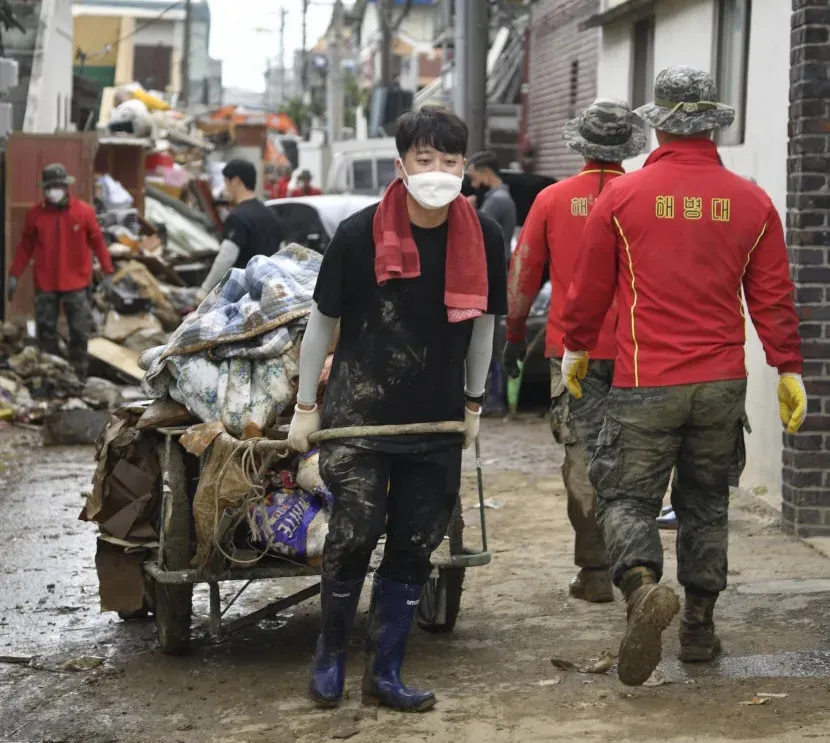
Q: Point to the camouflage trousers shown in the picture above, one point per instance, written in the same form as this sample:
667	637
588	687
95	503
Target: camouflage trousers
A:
695	429
576	425
78	313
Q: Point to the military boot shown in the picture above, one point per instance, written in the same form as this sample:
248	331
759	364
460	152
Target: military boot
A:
592	585
651	608
698	641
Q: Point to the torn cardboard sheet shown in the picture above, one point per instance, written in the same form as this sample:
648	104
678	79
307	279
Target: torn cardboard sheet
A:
198	438
119	327
164	413
120	577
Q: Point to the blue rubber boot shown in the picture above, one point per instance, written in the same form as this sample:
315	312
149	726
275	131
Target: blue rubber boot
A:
328	673
390	618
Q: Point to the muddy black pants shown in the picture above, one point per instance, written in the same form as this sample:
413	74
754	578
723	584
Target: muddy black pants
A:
697	429
408	496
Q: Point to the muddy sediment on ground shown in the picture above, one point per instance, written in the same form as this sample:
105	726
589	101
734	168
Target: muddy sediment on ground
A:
494	675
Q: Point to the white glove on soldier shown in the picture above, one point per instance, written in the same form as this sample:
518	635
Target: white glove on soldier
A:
303	424
472	419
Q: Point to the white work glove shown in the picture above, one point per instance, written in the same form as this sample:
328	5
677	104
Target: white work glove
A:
574	368
303	424
472	418
792	401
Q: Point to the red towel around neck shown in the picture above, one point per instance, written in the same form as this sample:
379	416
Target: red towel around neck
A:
396	254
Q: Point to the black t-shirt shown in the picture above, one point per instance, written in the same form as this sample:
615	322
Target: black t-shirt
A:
254	229
399	359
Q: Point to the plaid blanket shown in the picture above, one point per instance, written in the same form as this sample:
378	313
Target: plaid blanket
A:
235	358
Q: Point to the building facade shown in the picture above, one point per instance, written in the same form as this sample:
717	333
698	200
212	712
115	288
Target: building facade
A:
121	41
415	60
562	79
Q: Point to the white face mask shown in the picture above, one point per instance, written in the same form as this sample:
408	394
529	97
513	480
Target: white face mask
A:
433	189
55	195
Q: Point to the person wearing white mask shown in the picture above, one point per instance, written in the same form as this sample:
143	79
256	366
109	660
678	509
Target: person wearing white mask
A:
60	235
416	282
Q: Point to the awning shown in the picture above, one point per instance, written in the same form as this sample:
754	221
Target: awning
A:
618	12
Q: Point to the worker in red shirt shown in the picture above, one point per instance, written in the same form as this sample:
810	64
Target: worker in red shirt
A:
678	244
604	135
304	187
61	234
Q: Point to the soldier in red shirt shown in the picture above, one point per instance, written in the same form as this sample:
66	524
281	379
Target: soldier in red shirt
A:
604	135
680	244
61	234
304	187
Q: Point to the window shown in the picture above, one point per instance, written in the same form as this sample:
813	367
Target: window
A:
574	91
363	176
731	62
386	172
642	62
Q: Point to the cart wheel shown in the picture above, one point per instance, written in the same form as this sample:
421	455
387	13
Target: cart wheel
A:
173	603
441	597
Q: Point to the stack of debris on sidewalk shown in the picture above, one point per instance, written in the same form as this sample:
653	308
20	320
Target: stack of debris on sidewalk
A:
228	373
35	386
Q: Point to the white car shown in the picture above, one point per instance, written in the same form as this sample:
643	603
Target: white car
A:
312	220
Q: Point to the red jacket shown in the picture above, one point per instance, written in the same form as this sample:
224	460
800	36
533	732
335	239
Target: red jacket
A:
676	242
62	242
552	233
310	191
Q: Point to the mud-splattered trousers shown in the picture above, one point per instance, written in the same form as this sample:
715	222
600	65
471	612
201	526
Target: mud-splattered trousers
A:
408	496
78	317
576	425
696	429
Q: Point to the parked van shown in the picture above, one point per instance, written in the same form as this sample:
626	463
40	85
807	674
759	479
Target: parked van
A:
362	166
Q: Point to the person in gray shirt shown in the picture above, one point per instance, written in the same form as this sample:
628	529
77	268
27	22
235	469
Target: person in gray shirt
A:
492	197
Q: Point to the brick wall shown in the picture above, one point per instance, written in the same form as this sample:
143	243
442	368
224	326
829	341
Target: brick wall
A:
806	463
556	46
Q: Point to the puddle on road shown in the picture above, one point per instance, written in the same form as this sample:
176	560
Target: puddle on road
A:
807	664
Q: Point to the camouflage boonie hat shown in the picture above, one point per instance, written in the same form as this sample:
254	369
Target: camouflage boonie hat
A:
686	102
605	131
55	175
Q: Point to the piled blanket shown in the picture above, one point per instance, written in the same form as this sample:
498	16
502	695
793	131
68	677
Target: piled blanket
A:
236	358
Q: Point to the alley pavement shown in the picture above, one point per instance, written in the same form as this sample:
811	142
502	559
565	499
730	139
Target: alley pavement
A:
515	670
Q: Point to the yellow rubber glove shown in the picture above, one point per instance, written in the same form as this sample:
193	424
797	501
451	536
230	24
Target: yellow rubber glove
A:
574	368
792	401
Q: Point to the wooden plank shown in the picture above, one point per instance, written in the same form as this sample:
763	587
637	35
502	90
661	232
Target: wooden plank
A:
123	360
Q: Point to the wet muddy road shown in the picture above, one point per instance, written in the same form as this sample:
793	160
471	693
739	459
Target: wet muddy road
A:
493	675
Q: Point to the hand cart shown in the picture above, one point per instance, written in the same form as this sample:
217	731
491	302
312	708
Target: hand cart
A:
169	577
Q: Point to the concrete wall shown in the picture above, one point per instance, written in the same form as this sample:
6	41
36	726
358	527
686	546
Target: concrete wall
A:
48	104
684	34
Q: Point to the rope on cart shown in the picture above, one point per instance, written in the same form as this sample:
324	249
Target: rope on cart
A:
252	477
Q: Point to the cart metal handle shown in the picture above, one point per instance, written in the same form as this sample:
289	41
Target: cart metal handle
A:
405	429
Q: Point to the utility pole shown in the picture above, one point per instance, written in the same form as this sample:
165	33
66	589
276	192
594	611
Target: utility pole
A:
185	84
478	42
335	74
388	28
304	70
459	78
283	13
